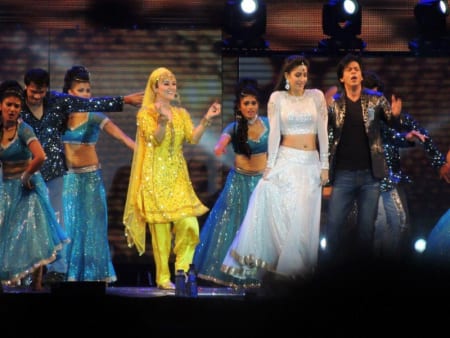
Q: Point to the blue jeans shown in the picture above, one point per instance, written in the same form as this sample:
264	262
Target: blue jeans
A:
391	226
349	187
55	188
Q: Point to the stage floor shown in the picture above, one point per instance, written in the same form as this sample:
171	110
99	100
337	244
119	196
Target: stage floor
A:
132	292
86	308
348	306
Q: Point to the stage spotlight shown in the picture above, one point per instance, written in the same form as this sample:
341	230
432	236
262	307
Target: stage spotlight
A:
245	24
420	245
341	21
431	16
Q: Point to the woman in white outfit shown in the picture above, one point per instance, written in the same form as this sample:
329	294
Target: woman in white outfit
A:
280	232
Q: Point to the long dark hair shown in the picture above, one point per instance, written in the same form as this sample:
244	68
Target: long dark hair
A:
245	87
10	88
75	74
289	64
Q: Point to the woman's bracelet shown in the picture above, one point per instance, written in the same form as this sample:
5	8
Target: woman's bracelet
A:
25	179
205	122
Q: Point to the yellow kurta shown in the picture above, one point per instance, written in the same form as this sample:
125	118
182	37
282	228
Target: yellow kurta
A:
160	189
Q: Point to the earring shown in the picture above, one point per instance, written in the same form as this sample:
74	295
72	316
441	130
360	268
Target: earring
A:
287	86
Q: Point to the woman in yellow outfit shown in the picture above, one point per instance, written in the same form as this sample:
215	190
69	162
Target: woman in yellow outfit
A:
160	192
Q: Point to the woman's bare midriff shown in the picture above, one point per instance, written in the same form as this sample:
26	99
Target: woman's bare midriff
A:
80	155
256	163
301	142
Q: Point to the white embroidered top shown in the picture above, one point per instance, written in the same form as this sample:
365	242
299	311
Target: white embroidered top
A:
296	115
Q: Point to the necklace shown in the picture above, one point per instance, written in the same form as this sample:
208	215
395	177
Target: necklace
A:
9	128
253	120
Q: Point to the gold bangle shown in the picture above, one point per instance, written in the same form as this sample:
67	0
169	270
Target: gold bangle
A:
205	122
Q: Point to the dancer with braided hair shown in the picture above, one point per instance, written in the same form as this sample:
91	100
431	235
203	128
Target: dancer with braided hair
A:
248	136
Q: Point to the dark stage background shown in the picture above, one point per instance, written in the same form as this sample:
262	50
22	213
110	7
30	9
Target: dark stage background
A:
387	25
121	42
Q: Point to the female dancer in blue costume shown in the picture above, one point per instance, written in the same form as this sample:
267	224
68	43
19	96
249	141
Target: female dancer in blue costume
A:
280	231
248	136
84	198
30	235
46	111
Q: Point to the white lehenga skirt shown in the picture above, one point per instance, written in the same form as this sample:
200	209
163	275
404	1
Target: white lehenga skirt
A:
280	231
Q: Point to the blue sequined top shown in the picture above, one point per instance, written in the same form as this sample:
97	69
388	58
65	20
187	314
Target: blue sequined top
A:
87	132
17	150
52	125
257	146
